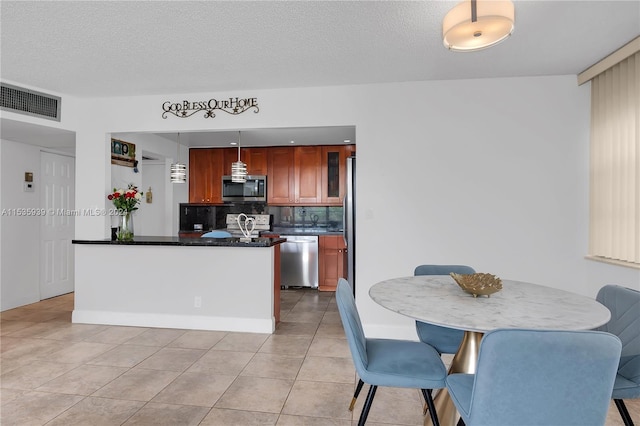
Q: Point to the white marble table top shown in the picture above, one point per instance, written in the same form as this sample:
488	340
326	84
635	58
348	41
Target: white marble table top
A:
437	299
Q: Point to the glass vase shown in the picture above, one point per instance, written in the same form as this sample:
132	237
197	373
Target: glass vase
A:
125	230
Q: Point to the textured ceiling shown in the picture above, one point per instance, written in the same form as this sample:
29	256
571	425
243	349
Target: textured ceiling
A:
108	48
123	48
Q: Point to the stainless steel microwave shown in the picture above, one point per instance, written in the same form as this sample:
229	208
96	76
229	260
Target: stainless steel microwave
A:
254	189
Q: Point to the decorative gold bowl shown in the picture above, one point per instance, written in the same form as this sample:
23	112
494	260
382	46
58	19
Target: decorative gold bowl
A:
478	284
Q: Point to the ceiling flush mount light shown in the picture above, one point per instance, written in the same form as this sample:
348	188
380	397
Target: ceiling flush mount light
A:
178	170
477	24
238	169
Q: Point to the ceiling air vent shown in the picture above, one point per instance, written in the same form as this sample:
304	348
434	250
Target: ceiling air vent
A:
30	102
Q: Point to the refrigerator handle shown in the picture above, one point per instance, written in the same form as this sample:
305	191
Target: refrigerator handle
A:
345	229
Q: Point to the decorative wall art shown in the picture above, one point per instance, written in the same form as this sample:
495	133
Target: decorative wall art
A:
233	106
123	153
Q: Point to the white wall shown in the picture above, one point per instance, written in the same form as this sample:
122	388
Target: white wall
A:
160	217
151	216
122	176
19	235
20	239
1	234
492	173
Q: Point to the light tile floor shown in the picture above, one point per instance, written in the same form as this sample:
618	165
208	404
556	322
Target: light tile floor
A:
54	372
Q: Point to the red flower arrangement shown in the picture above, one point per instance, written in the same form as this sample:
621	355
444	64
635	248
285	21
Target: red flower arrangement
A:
126	200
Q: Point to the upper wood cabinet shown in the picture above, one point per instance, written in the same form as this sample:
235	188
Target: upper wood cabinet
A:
208	165
334	173
301	175
206	168
294	175
255	159
280	164
307	175
230	156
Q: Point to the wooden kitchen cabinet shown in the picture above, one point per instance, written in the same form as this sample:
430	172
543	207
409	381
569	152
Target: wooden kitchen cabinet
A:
200	175
280	176
332	253
294	175
334	173
190	234
206	167
308	175
276	283
229	156
301	175
255	159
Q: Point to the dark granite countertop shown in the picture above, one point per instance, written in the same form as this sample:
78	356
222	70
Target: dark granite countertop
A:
283	230
182	241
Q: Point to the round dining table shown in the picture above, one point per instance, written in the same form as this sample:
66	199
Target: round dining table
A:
437	299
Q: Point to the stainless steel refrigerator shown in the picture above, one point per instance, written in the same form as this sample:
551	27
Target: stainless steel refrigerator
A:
349	221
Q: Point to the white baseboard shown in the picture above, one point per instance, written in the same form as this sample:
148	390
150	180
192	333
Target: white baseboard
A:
189	322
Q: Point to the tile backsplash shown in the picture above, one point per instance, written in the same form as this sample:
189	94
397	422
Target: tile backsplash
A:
310	216
293	216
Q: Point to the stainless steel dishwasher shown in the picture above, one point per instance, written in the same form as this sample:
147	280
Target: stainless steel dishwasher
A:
299	261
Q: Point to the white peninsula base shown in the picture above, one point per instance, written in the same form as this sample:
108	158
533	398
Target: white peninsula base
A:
187	287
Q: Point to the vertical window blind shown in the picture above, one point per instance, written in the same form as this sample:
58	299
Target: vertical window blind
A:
615	163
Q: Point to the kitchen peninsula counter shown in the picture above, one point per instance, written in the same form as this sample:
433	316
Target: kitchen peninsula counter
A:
183	241
186	283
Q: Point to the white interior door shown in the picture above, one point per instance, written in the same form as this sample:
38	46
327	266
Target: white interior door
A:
151	217
57	226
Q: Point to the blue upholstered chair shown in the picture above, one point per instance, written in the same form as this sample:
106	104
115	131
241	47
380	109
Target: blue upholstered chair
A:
538	377
445	340
385	362
624	304
217	233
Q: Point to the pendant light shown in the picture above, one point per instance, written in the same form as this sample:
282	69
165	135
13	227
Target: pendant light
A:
238	169
178	170
478	24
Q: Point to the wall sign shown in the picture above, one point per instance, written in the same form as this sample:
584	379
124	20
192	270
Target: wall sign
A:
233	106
123	153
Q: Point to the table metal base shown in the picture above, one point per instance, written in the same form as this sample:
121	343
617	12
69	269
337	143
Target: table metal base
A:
464	361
